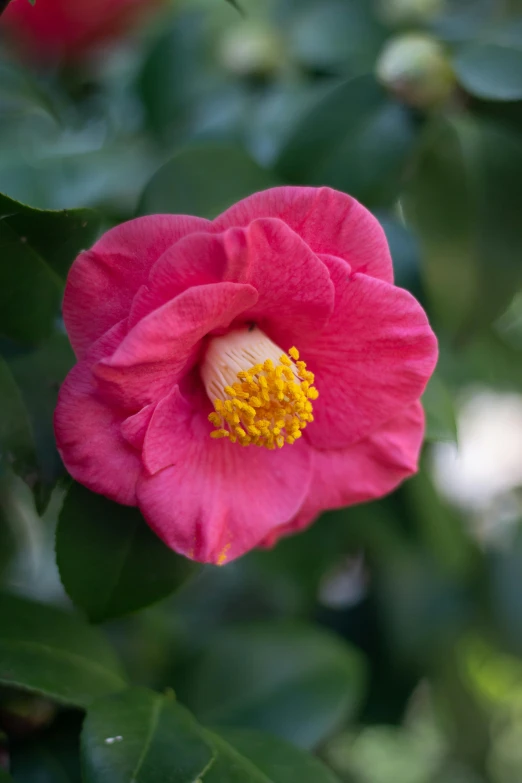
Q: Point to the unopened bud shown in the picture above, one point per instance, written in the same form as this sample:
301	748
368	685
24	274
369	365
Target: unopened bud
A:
251	49
416	68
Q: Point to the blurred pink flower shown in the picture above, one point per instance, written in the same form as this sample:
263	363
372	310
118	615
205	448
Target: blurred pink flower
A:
68	29
181	403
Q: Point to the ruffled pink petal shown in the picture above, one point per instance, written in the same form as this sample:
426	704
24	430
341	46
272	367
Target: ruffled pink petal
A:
365	471
103	281
294	286
134	428
197	259
373	359
88	431
217	500
164	345
328	221
295	291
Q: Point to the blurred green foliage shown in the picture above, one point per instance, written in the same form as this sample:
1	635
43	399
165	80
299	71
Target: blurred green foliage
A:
384	644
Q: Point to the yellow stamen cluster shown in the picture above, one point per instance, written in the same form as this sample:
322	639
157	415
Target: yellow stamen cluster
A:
268	406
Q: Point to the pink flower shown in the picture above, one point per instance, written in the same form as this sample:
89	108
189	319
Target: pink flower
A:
173	406
70	28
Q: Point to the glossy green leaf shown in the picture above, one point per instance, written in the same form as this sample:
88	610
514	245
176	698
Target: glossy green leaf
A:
30	290
110	561
57	236
143	737
21	531
354	139
50	651
21	94
16	438
294	681
37	248
253	757
463	199
29	384
490	70
38	375
203	181
335	34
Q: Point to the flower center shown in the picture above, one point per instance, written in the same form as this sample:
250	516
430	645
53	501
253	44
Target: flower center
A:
261	395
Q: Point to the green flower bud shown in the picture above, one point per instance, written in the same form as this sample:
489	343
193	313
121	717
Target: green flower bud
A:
416	68
251	49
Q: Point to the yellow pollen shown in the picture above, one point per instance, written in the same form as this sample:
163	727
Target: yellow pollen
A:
266	404
222	559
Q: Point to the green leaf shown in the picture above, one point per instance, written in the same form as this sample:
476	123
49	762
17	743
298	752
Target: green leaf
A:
55	235
49	651
143	737
464	199
16	438
37	248
294	681
354	139
22	95
441	422
490	70
39	375
29	383
254	757
21	531
235	4
203	181
335	35
30	290
110	561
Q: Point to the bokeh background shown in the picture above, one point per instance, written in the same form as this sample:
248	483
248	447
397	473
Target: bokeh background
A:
415	108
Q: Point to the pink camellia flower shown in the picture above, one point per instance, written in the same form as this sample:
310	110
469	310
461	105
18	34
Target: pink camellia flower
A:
236	378
69	29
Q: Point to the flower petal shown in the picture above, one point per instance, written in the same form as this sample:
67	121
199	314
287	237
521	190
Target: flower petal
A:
102	281
293	284
88	432
164	344
371	361
328	221
134	428
365	471
197	259
295	291
217	500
